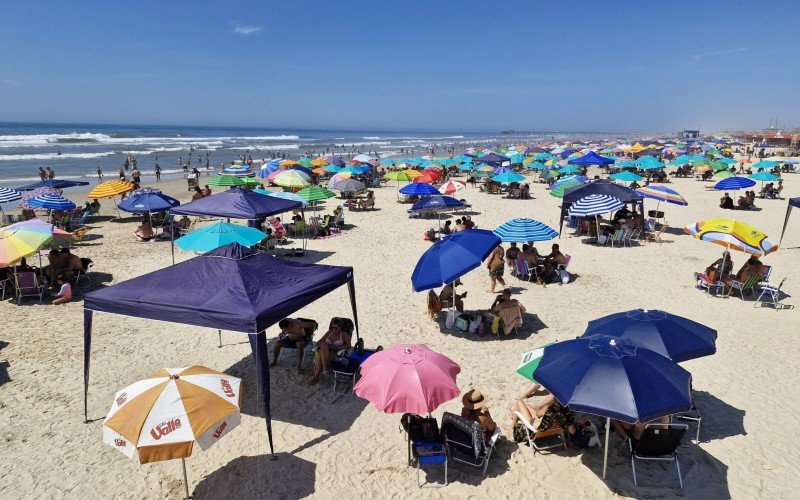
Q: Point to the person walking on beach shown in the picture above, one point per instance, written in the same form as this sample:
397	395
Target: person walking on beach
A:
158	173
137	176
99	175
496	264
121	174
51	174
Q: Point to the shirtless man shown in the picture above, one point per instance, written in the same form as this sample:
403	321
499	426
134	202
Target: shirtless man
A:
554	259
447	293
293	332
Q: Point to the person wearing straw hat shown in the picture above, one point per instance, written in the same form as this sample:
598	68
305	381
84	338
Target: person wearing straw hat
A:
475	408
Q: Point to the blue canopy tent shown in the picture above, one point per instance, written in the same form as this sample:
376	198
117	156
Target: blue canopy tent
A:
230	288
591	158
626	195
793	202
493	158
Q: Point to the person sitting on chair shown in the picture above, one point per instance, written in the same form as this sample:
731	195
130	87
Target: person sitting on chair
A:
504	301
723	264
367	202
751	267
634	431
545	415
294	333
475	408
145	231
554	259
447	295
337	338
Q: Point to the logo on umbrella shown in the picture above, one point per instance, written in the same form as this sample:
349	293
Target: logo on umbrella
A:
120	442
226	388
165	428
220	430
122	398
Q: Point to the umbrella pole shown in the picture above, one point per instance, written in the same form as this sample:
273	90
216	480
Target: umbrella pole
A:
185	481
220	338
605	453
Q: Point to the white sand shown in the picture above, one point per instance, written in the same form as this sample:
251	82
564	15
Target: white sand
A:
747	392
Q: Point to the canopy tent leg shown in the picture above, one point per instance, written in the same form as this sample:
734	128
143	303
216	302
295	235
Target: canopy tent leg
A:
785	221
605	453
220	338
351	287
258	343
87	347
172	239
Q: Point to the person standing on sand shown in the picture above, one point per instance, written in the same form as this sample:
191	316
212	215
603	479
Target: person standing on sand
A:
42	174
157	171
496	264
51	174
99	175
121	174
137	176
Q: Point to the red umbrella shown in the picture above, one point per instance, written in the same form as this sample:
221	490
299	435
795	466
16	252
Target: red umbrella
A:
451	187
435	174
408	378
427	179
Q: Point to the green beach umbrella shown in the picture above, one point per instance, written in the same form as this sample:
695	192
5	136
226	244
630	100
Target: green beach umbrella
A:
719	166
530	361
398	176
315	193
482	174
226	180
548	174
558	192
250	181
723	174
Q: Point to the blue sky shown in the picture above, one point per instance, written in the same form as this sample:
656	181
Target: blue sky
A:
461	66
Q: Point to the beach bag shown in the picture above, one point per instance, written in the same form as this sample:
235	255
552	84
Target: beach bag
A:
497	326
601	240
586	435
420	428
564	276
475	325
450	321
463	322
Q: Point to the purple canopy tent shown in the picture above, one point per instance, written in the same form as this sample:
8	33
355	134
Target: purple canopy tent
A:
492	158
793	202
230	288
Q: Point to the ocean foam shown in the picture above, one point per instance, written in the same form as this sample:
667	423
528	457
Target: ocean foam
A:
268	146
54	156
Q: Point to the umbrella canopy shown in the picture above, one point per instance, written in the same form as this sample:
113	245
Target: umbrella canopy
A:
466	167
762	165
530	361
147	200
315	193
51	202
482	174
319	162
591	158
408	378
362	158
492	158
332	169
437	202
23	239
7	195
732	234
672	336
219	234
451	187
626	177
595	204
54	184
569	169
537	166
402	175
348	185
289	163
424	179
723	174
286	195
508	177
764	176
238	170
662	193
559	187
226	180
522	230
110	189
162	416
734	183
719	166
452	257
502	170
419	189
291	179
614	378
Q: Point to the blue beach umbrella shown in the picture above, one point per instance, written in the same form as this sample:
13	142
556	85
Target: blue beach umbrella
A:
8	194
332	169
452	257
51	202
54	183
734	183
523	230
508	177
502	170
419	189
286	195
219	234
147	200
675	337
437	202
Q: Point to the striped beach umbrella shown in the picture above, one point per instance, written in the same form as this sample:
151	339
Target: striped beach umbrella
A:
733	234
219	234
110	189
8	195
51	202
595	204
451	187
560	187
315	193
292	179
523	230
226	180
161	417
662	193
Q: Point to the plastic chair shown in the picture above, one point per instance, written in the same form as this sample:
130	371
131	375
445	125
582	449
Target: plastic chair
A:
773	292
28	286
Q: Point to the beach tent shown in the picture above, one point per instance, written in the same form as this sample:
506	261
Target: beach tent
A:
230	288
591	158
55	184
493	158
793	202
626	195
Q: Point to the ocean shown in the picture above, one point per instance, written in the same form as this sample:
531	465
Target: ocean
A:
75	151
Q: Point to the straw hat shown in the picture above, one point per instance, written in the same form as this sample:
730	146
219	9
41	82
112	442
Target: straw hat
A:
474	399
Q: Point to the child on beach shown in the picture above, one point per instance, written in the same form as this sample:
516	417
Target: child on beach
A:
64	294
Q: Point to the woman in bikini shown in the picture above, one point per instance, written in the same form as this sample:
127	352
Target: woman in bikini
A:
336	339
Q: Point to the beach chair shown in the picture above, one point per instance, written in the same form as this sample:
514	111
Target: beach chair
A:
656	238
425	446
658	442
534	435
28	286
633	235
618	238
747	286
308	349
523	272
79	222
277	229
650	224
465	442
5	284
772	292
766	271
693	415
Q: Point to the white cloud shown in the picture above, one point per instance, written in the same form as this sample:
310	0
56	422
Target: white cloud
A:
703	55
247	30
10	82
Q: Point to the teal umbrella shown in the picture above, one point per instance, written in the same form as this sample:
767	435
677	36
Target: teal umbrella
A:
537	166
508	177
549	174
764	176
765	164
569	169
466	167
219	234
626	176
482	174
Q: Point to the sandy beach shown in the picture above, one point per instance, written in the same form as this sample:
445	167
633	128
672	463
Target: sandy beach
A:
747	392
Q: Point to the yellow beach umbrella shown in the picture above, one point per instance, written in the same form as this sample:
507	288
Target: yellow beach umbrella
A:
293	179
320	171
319	162
110	189
289	163
733	234
412	174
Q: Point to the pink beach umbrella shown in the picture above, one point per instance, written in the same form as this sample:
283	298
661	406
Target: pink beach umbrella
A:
408	378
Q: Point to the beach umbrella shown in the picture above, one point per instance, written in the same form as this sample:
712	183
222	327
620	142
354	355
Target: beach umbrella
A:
482	174
524	230
341	176
452	257
437	202
548	174
289	163
569	169
433	173
51	202
419	189
764	176
332	169
351	170
387	162
161	417
466	167
110	189
293	179
424	179
147	200
543	157
662	193
720	166
560	187
226	180
484	168
536	166
613	378
502	170
363	158
508	177
348	186
408	378
595	204
702	168
267	169
53	183
237	170
626	176
723	174
219	234
451	187
319	171
765	165
530	361
315	193
732	234
23	239
675	337
734	183
286	195
319	162
303	169
401	175
8	195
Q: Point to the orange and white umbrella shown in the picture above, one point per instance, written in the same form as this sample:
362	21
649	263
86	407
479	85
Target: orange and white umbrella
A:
161	417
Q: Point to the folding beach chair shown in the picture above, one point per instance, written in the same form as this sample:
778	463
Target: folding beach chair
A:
465	443
28	286
618	239
533	435
656	238
658	442
747	286
773	292
766	273
425	445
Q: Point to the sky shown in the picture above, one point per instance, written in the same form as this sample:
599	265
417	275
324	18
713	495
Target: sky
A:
615	66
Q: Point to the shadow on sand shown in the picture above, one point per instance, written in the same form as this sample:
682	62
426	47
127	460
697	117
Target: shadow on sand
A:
289	475
531	325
